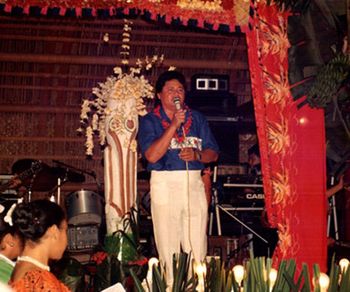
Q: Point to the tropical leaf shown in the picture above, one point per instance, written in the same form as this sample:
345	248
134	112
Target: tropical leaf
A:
137	282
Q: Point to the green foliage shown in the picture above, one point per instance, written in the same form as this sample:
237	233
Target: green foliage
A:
328	82
290	4
220	279
214	275
181	269
72	274
121	257
121	243
109	272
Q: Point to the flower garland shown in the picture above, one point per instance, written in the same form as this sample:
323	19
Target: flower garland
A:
207	13
212	6
179	135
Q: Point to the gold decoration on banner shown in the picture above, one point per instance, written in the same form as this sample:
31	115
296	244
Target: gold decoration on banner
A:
277	87
278	136
281	188
241	11
285	238
208	6
274	39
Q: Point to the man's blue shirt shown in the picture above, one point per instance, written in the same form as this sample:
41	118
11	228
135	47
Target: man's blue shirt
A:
199	136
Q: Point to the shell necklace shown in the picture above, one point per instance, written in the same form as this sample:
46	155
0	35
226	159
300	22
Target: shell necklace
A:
34	262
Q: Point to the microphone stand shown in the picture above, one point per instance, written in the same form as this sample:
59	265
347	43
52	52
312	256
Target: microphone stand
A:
90	173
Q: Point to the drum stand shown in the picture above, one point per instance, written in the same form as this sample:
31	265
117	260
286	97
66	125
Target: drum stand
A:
30	188
214	204
332	211
57	191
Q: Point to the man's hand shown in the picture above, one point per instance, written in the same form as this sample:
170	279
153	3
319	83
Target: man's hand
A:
188	154
179	118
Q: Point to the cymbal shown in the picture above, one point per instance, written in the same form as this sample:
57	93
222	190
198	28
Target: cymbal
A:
67	174
22	165
35	175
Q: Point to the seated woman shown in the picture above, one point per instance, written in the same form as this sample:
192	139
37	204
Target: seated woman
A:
43	227
10	244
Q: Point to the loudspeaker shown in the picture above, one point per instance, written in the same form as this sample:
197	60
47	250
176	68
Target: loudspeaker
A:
226	135
210	82
214	104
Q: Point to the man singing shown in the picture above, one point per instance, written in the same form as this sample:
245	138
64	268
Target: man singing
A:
177	141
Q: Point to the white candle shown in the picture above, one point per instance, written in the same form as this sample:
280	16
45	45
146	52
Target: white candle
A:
151	262
238	272
272	277
343	263
324	282
200	270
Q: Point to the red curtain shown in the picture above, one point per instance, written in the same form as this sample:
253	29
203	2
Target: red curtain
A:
292	144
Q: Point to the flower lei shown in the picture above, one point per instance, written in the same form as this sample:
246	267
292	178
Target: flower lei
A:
179	135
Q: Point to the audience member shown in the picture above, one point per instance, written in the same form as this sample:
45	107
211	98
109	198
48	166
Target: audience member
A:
10	243
42	226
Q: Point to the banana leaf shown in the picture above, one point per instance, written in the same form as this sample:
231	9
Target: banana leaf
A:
345	281
306	276
213	277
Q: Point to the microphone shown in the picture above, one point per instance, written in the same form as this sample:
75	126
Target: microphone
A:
178	106
177	103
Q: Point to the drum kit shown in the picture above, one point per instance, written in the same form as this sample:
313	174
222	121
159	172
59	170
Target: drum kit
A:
84	208
30	175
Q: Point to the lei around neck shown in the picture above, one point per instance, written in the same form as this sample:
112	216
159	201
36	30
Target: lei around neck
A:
185	129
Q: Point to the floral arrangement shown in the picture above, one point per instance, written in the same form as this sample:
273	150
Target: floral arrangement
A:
120	253
119	87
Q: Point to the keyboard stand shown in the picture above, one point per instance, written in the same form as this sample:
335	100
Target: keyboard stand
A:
332	211
227	208
215	202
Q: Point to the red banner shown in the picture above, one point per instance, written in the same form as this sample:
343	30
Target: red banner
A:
292	145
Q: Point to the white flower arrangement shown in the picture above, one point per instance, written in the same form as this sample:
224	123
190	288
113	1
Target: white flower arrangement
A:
120	86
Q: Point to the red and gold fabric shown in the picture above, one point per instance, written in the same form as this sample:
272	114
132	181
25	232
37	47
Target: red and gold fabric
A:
292	145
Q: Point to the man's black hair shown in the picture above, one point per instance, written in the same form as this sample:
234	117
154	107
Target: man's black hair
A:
170	75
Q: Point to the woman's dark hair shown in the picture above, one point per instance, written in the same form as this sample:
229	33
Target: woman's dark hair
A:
169	75
32	219
5	228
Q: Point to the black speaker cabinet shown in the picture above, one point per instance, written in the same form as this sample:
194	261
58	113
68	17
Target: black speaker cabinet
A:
226	135
212	103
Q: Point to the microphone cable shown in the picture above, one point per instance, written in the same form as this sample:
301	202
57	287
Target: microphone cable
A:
179	107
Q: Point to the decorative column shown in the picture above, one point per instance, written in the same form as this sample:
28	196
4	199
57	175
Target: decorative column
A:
120	161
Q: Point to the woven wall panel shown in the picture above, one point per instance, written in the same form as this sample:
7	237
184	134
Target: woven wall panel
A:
47	66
